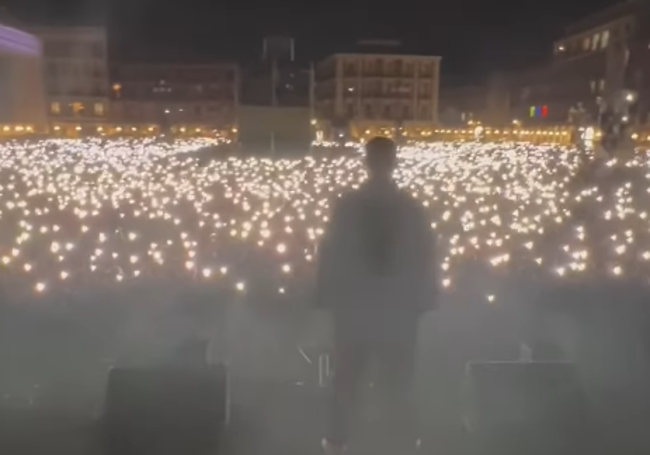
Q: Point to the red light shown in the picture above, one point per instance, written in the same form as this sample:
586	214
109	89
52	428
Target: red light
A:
544	111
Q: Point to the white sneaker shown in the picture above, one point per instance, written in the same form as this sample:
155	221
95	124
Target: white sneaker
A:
331	449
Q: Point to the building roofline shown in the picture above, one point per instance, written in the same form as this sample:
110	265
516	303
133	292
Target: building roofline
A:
604	16
383	54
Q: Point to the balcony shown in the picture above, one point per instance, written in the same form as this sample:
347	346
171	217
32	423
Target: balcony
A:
388	74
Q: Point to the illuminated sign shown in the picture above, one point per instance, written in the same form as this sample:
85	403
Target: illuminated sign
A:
538	111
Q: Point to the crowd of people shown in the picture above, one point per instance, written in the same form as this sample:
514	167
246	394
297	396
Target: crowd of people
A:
89	226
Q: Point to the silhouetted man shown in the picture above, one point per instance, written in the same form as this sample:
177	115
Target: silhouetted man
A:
377	276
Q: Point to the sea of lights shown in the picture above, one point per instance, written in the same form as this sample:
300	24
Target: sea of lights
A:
108	213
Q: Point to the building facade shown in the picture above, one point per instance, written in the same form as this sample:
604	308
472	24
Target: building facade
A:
275	116
22	89
174	94
591	64
276	85
594	60
390	89
76	73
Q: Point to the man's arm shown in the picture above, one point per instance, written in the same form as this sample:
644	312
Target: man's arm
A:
330	256
425	266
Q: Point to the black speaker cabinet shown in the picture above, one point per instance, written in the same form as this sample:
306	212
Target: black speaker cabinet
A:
527	407
166	410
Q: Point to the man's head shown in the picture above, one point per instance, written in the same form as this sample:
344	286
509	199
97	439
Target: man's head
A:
381	157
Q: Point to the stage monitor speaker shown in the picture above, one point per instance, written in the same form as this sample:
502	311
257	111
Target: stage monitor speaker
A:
527	407
166	410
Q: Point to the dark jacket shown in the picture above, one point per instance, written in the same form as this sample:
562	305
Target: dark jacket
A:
377	254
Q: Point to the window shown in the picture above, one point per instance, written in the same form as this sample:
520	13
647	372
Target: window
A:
99	109
586	43
425	89
367	88
604	41
161	89
425	112
592	85
602	85
77	108
55	108
396	67
595	41
404	88
350	68
426	69
369	113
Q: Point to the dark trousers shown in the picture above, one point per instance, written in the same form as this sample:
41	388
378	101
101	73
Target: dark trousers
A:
392	347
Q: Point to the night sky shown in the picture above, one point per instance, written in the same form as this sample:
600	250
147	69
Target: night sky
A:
474	37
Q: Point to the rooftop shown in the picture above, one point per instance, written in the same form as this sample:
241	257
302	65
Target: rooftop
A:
614	12
379	47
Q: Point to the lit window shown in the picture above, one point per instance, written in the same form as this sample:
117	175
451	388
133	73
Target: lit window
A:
99	109
595	42
586	43
55	108
602	85
532	111
77	108
604	41
593	86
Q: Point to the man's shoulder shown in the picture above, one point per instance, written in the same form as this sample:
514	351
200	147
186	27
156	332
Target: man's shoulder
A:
364	194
